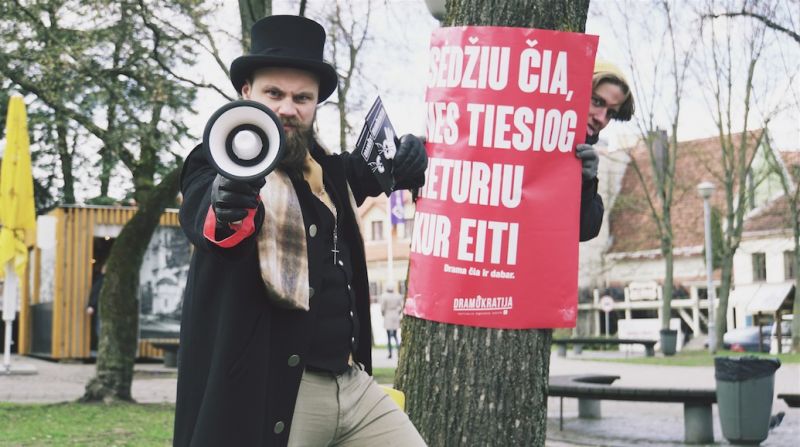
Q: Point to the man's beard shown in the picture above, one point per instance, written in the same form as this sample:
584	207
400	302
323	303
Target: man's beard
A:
296	148
592	139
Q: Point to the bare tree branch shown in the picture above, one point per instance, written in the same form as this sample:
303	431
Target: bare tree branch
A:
765	20
157	57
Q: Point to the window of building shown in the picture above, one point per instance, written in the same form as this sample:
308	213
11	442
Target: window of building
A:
377	230
788	265
759	267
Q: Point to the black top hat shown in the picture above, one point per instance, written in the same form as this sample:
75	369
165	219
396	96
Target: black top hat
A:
286	41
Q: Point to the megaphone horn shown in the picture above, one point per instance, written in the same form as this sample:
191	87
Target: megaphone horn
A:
243	140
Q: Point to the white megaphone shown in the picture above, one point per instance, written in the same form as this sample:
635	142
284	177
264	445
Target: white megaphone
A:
243	140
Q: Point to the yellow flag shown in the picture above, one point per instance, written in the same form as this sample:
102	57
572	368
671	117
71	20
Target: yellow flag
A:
17	210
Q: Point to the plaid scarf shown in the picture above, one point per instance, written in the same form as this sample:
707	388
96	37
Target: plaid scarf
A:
282	250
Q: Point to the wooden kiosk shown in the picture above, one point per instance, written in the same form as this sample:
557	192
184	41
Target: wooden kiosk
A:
73	242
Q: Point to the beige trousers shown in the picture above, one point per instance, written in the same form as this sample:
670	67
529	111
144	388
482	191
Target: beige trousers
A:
348	410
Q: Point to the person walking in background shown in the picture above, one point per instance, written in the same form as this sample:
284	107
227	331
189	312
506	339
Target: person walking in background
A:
391	309
93	305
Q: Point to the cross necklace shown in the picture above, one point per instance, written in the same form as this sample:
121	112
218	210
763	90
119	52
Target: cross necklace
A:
323	196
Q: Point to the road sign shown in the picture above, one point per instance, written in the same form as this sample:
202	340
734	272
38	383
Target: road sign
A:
643	290
607	304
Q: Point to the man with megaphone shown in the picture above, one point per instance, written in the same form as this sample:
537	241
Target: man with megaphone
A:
275	342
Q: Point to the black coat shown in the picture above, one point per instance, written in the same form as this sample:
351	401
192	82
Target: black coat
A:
591	210
241	359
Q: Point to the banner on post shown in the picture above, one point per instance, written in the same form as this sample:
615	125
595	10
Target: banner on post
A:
495	238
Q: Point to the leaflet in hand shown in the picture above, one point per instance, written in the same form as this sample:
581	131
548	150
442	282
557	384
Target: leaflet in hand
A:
377	143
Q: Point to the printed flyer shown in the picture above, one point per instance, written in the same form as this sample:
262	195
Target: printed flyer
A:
495	237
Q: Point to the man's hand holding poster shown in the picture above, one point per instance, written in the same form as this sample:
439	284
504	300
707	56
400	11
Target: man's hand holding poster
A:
495	239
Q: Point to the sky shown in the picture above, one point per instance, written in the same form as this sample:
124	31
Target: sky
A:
396	66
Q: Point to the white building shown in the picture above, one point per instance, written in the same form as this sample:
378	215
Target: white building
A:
632	241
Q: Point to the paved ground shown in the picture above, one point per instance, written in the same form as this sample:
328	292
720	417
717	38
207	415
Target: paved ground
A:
653	424
59	382
623	423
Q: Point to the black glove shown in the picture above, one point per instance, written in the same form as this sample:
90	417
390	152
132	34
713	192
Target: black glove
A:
589	159
410	163
232	198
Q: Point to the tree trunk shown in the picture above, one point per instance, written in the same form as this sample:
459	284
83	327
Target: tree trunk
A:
119	307
65	156
341	106
477	386
251	11
563	15
796	260
721	314
666	298
107	158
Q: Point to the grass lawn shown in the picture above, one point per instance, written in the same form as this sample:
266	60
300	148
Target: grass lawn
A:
691	358
76	424
73	424
384	376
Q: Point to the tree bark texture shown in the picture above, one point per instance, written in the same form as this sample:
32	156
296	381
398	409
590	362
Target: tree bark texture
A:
470	386
562	15
119	307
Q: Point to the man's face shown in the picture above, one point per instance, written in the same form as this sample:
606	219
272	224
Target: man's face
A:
606	101
290	93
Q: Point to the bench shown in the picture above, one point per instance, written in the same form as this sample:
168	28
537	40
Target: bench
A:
649	345
698	422
792	400
170	347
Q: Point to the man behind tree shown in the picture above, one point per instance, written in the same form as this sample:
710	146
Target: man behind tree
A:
253	373
611	99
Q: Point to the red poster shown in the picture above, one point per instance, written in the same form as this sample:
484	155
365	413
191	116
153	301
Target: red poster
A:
495	239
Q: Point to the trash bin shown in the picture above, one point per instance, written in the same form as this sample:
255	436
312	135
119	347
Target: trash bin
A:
745	388
669	341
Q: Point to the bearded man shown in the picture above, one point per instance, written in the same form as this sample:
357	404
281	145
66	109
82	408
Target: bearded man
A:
252	370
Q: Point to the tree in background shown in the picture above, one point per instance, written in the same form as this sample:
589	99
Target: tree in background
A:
501	397
43	161
348	32
658	84
109	70
781	18
249	12
348	28
738	100
790	182
775	15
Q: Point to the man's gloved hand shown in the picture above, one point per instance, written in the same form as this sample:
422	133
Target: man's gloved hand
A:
589	159
410	162
232	198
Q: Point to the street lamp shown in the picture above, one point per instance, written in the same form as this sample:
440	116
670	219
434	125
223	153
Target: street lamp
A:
705	189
